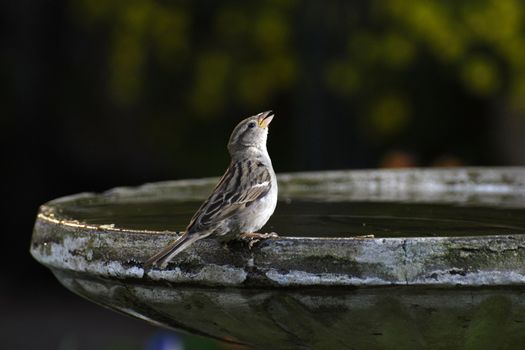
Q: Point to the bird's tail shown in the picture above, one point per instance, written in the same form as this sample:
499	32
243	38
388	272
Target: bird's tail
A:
162	258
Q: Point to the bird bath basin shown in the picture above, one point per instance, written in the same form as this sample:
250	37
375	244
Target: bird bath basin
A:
445	270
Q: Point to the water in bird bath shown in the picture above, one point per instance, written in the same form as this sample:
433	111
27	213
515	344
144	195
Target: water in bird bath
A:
314	218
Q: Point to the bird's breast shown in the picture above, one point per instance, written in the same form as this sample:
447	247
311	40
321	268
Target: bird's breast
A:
258	213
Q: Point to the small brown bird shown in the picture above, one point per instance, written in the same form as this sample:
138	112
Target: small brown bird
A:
243	200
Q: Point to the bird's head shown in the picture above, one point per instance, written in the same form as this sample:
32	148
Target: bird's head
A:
250	134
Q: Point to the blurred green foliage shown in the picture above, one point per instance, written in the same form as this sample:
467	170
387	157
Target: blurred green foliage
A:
225	51
245	53
480	43
397	74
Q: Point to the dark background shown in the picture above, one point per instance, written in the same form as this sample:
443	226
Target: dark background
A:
97	94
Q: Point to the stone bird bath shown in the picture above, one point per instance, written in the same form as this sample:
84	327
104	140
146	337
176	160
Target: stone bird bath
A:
444	270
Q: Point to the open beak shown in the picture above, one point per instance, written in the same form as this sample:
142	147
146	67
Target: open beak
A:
265	119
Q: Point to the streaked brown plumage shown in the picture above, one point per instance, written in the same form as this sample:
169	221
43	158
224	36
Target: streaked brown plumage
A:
242	201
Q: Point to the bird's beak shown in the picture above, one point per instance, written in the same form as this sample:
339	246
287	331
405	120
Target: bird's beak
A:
265	119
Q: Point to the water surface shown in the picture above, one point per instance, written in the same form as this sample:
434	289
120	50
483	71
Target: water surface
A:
310	218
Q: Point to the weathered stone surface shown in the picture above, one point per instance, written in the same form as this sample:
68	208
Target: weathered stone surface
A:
302	292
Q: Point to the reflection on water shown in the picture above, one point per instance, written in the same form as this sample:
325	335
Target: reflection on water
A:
310	218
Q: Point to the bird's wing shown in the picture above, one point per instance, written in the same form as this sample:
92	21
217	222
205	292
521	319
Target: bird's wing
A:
243	183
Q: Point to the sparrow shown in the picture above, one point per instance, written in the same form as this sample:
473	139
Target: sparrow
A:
243	200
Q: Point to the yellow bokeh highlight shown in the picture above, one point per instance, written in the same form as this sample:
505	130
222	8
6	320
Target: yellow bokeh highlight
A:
271	31
480	75
398	50
210	83
431	22
170	33
389	115
343	77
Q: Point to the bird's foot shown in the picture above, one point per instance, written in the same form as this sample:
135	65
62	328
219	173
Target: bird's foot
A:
255	237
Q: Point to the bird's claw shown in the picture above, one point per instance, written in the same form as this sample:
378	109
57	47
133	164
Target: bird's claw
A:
254	237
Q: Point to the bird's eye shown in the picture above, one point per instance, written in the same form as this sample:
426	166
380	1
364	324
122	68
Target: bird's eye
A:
251	125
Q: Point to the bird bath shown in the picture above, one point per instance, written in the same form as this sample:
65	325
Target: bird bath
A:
445	270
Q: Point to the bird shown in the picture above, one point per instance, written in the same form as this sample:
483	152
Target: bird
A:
243	200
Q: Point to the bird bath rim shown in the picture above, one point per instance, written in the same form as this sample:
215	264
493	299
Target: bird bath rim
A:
216	293
108	251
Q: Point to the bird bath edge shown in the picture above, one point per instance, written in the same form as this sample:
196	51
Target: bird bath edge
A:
435	230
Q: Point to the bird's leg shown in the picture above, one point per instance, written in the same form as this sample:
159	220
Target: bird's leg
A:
254	237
